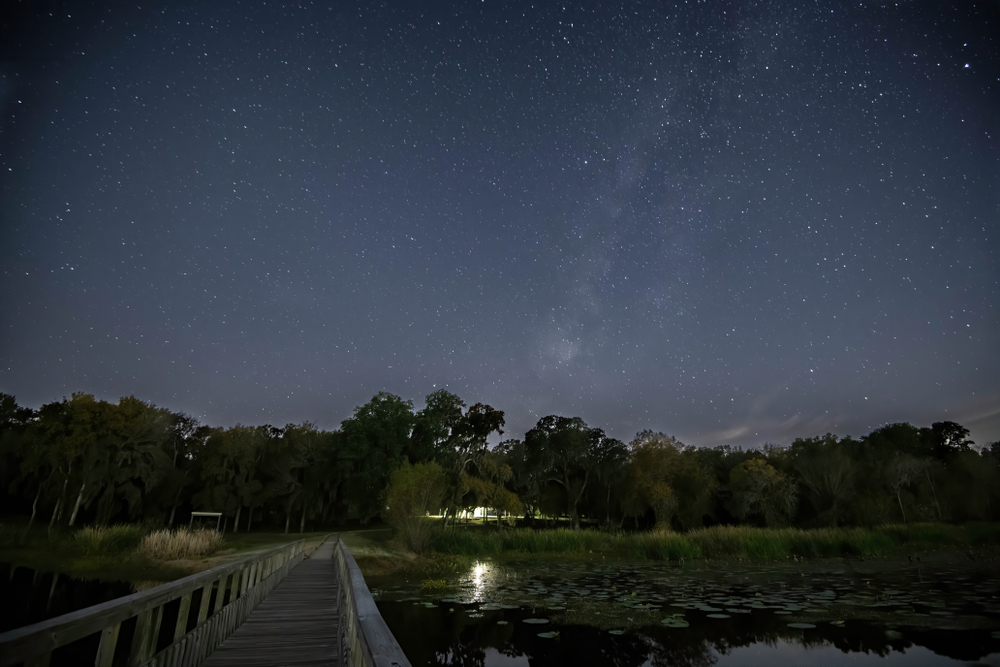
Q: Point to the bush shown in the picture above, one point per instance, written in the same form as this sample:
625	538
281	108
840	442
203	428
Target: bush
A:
180	543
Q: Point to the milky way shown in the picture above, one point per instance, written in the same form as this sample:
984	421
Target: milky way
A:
732	222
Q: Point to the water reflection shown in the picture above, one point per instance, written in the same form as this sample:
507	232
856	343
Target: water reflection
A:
31	596
635	614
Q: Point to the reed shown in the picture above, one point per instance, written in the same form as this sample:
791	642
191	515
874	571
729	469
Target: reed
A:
179	543
719	542
109	541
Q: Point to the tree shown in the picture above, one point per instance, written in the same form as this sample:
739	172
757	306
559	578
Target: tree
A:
761	490
435	425
653	457
902	471
560	449
524	477
414	491
229	467
458	440
610	457
137	436
950	438
73	434
375	438
488	484
827	471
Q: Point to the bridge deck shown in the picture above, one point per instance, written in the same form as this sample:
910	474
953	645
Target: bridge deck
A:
296	624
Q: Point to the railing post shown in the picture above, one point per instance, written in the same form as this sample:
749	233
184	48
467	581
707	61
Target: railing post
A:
252	578
41	660
109	641
180	627
221	596
206	598
147	631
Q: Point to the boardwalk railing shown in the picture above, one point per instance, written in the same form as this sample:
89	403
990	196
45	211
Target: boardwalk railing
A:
365	639
224	596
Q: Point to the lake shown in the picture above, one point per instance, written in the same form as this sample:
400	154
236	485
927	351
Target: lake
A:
628	613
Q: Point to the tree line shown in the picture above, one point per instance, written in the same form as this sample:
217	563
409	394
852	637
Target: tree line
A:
83	460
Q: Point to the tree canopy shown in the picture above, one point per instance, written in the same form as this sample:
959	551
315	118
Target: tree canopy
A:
84	460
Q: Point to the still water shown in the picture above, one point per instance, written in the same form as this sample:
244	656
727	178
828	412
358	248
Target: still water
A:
631	614
30	596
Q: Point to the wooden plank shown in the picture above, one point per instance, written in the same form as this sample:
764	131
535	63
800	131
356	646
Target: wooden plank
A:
295	625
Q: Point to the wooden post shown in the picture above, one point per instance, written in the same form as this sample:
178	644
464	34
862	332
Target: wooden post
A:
254	577
206	598
221	595
109	641
147	631
41	660
180	628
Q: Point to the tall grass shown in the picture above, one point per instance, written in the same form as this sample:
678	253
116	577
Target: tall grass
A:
719	542
661	545
522	540
179	543
110	541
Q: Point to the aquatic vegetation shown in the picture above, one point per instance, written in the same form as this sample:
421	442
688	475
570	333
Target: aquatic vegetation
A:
433	584
666	608
725	542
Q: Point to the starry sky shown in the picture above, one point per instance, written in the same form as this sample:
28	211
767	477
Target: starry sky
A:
734	222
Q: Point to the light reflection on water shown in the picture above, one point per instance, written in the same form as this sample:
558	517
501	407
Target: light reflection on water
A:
890	615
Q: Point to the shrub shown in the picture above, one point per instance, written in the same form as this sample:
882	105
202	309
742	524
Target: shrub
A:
180	543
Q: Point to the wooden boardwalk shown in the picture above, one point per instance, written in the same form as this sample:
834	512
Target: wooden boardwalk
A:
296	625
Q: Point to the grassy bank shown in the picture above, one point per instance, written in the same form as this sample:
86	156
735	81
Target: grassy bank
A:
130	551
720	542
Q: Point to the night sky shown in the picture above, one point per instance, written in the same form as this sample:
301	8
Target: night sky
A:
732	222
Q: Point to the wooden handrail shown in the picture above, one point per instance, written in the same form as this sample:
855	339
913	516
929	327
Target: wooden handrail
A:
365	639
247	583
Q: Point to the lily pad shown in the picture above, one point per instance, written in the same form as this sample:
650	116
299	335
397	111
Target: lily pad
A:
893	634
802	626
536	621
616	632
548	635
675	623
501	622
719	616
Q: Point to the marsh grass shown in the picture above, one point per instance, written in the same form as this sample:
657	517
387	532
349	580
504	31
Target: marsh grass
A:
523	540
109	541
720	542
661	545
179	543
